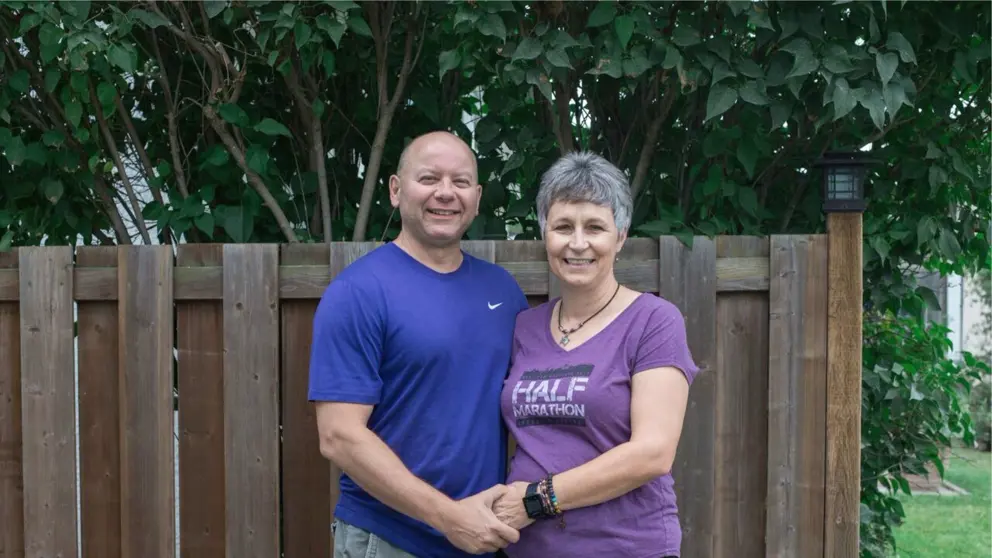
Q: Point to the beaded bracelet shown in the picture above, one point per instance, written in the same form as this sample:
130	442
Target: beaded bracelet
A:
550	500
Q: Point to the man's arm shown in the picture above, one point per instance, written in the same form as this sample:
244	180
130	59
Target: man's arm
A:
346	440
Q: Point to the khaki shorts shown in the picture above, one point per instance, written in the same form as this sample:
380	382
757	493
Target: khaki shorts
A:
354	542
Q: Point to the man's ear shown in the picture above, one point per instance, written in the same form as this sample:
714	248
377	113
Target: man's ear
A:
478	199
394	190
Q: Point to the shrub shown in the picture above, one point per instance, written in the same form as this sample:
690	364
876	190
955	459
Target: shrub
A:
981	414
914	401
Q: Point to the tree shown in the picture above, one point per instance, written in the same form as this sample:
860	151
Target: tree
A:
252	120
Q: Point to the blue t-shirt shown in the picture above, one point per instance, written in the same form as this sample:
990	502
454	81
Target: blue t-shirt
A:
430	351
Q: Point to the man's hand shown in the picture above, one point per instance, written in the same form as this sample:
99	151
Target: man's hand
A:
472	526
509	508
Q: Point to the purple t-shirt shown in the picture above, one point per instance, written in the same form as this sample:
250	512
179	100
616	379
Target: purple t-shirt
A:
567	407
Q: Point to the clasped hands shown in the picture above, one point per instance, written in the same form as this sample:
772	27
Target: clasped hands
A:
489	520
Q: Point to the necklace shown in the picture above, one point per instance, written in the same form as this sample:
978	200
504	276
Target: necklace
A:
566	332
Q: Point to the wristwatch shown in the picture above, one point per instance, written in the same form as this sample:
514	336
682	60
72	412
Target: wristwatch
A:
532	502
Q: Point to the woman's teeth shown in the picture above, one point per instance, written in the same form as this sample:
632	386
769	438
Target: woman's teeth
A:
578	261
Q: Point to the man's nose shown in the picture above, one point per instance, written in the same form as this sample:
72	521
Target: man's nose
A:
444	189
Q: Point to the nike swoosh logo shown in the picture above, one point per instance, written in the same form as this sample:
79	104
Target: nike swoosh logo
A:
494	306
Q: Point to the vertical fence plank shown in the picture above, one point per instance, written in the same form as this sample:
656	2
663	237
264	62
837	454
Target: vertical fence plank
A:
741	417
48	411
307	488
251	399
99	417
11	482
482	249
200	346
844	331
688	279
796	396
343	254
145	311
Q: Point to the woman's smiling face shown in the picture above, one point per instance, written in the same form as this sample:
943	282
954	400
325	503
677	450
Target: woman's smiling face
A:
582	242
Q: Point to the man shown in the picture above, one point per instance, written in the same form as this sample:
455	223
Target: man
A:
411	344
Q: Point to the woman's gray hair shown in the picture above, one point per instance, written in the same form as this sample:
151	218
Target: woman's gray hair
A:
583	176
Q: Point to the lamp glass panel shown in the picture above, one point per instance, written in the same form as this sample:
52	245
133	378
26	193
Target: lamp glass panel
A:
842	184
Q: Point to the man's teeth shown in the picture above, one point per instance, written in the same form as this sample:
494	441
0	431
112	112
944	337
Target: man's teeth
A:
441	211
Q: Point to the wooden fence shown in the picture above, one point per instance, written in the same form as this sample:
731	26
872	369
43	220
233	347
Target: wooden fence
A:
765	466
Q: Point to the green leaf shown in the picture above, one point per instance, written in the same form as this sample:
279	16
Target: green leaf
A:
837	60
720	99
205	223
16	151
52	189
881	246
602	14
886	64
7	241
685	36
358	24
753	92
673	57
898	43
747	154
895	96
759	18
804	59
557	57
106	92
150	19
302	33
721	72
843	99
750	68
73	112
53	138
333	28
448	60
328	61
492	26
49	34
238	224
625	29
270	127
258	159
872	100
233	114
214	7
52	76
19	81
528	49
28	22
780	114
123	57
933	152
748	199
948	244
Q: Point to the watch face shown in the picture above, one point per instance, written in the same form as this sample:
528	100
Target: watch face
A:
532	505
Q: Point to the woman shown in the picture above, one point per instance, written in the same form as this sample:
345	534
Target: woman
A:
597	391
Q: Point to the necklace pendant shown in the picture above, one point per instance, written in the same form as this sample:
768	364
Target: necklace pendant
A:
564	340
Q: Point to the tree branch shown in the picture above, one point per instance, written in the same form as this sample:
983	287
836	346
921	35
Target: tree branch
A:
382	131
253	178
316	136
108	139
170	115
651	137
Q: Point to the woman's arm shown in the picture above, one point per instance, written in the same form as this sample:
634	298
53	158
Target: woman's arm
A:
657	409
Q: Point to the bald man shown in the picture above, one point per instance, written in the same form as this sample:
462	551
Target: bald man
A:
411	344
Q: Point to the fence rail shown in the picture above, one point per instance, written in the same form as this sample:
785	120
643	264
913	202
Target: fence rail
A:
225	331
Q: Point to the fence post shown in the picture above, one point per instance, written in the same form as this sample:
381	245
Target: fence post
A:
844	340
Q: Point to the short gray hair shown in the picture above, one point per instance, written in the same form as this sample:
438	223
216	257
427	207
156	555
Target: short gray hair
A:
583	176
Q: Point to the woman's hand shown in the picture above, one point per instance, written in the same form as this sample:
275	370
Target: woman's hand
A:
509	508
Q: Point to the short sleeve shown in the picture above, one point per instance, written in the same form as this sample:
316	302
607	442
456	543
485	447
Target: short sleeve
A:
664	343
347	346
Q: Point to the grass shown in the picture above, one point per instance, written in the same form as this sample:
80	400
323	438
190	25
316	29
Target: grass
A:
958	526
